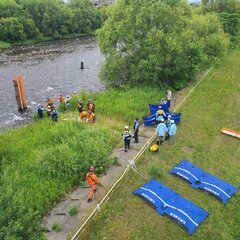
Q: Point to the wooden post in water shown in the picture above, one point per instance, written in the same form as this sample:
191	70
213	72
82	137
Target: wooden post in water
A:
15	84
20	93
82	65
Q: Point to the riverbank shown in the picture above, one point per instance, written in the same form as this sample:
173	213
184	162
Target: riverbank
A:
213	105
42	162
5	45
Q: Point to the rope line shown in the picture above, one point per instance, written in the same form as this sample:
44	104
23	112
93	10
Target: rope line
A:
139	154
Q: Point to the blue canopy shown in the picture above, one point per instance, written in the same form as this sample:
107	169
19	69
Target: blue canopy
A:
168	202
203	180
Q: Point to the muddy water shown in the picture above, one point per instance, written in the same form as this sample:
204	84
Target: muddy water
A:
48	69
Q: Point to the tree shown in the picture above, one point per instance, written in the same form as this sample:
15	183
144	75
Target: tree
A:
156	42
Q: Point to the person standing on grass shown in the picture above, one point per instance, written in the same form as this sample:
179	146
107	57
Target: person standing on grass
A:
168	124
126	136
135	129
93	182
40	111
161	131
169	97
172	131
54	114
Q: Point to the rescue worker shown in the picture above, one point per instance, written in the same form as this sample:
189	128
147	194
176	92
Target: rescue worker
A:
161	131
135	129
49	111
90	116
80	105
50	102
54	114
61	98
83	115
93	182
126	136
68	100
160	114
169	97
40	111
168	124
172	131
91	105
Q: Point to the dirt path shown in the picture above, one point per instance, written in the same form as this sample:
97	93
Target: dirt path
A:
60	214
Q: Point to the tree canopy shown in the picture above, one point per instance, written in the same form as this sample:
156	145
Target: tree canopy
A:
24	19
155	42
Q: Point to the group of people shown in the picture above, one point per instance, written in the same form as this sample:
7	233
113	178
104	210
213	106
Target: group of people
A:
50	110
86	116
127	134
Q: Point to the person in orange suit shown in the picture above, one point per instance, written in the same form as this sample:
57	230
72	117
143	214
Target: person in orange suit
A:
61	98
83	115
90	116
93	182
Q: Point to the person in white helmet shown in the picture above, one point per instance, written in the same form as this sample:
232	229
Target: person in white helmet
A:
161	131
126	136
172	131
168	124
68	100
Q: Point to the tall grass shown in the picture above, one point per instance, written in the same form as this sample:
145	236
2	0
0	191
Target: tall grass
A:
39	163
213	105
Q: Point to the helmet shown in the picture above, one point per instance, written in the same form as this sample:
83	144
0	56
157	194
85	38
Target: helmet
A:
169	116
162	120
172	121
39	104
79	100
126	127
91	168
89	99
67	96
48	107
160	107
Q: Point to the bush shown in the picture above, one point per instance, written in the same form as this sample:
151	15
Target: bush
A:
56	227
73	211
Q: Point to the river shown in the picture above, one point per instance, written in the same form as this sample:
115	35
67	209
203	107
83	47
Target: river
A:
48	69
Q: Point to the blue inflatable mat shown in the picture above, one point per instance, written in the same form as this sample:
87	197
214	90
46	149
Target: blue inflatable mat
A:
203	180
168	202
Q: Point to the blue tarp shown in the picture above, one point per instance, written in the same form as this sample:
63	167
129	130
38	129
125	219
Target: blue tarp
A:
154	107
203	180
168	202
149	120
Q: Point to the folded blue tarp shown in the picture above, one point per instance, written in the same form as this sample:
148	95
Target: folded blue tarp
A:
168	202
203	180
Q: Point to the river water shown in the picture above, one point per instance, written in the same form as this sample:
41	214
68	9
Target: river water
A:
48	69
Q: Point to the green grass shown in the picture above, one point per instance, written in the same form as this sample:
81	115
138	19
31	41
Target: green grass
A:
4	45
213	105
41	162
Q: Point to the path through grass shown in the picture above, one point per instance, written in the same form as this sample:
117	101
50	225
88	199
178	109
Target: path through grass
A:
214	104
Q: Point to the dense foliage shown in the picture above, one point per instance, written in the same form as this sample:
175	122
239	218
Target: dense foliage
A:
150	42
29	19
38	165
228	12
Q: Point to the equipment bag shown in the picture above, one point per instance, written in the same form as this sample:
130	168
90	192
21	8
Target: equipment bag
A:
154	148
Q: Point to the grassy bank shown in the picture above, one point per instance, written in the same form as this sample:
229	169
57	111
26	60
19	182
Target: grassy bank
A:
41	162
4	45
213	105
